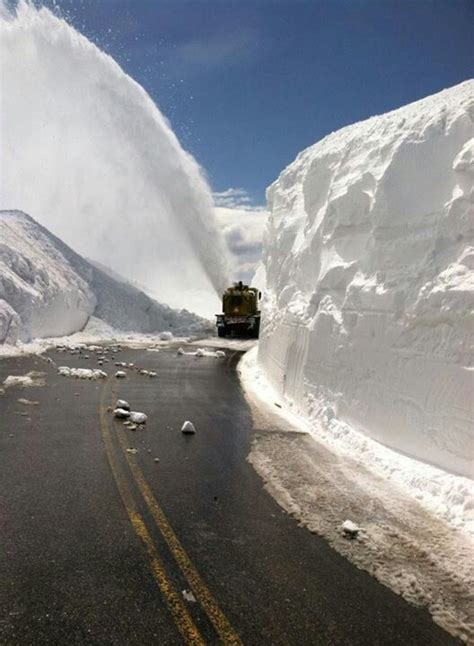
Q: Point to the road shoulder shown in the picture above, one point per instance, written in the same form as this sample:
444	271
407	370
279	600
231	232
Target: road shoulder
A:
406	548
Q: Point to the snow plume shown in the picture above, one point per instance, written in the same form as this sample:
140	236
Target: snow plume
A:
368	312
89	155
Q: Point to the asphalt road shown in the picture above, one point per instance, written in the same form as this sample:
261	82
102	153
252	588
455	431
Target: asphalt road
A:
98	543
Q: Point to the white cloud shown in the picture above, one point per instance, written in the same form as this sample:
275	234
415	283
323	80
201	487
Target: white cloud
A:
232	198
243	231
220	50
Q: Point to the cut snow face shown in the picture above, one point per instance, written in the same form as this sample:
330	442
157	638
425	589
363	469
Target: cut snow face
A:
156	217
368	312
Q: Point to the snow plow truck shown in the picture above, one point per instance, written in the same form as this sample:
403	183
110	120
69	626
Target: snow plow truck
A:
241	314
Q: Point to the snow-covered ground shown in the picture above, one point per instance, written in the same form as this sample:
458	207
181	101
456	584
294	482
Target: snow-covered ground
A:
47	290
369	256
416	522
88	154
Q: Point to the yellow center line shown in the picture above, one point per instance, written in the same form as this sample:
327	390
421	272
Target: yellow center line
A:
202	593
173	600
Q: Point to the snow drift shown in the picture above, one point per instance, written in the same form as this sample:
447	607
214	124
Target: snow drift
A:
46	289
369	252
88	154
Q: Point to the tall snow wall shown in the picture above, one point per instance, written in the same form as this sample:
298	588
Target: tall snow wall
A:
369	256
88	154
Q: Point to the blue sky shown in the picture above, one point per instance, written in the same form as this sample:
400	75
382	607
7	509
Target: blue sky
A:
247	84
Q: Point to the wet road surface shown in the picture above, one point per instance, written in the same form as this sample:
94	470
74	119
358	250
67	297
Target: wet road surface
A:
98	542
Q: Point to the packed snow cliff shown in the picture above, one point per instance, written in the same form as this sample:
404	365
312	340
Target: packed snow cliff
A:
89	155
369	258
46	289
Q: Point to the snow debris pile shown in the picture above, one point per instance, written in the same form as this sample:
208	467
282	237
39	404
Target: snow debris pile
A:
369	257
94	126
82	373
46	289
120	374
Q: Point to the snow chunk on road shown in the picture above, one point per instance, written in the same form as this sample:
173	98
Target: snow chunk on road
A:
120	374
138	418
122	413
27	402
82	373
350	529
188	428
32	378
121	403
188	596
202	352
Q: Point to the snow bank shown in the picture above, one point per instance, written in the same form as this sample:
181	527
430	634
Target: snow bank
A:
42	294
97	163
46	290
368	255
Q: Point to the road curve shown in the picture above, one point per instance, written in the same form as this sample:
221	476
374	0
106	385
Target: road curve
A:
176	543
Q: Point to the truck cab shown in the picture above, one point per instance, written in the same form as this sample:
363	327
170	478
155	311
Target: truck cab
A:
240	312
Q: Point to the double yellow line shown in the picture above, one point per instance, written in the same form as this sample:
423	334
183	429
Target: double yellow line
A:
172	598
